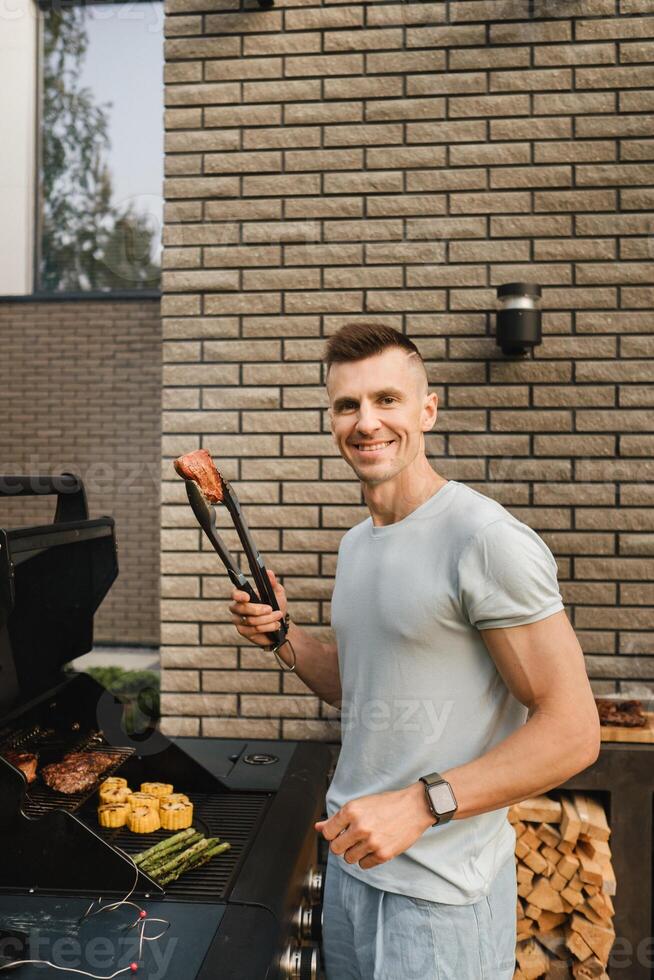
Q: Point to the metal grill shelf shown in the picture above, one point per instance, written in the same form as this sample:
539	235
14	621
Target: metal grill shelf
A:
52	747
234	817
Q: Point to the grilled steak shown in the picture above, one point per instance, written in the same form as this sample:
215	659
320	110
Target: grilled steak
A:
25	761
77	771
626	714
200	467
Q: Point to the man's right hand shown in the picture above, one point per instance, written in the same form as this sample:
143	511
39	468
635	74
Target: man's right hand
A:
255	621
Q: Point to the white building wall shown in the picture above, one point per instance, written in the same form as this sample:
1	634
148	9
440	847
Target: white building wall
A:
18	91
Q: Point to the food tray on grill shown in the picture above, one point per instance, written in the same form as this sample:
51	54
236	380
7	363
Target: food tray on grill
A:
233	817
51	747
624	733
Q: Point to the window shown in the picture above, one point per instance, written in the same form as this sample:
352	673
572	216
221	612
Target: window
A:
100	209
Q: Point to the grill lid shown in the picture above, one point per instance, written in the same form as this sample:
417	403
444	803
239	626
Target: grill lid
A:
52	579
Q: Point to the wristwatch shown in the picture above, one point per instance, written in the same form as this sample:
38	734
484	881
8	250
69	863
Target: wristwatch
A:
440	797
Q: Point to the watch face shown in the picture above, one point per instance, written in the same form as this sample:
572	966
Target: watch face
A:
442	798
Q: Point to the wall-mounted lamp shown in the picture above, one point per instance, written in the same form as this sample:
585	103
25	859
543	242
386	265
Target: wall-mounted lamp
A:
518	317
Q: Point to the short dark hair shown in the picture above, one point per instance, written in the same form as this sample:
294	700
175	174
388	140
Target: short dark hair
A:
356	341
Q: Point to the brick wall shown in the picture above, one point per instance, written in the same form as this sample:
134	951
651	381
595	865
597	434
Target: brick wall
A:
81	386
400	160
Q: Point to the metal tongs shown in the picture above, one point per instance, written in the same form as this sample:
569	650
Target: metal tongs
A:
206	515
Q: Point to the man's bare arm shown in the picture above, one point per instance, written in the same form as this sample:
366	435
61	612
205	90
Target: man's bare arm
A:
543	666
316	663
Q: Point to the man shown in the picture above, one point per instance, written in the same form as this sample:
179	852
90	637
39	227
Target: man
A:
454	663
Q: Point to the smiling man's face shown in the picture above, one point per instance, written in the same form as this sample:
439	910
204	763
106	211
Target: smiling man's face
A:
379	409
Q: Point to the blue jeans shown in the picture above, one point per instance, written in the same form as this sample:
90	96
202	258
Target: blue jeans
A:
370	934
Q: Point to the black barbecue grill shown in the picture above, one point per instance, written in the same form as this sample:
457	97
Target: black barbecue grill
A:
251	907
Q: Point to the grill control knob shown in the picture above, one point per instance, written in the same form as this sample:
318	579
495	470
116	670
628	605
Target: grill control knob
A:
313	885
306	923
299	963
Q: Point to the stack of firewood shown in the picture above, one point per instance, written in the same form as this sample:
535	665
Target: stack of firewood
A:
565	884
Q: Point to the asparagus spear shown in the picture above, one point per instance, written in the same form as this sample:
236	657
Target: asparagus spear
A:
196	862
181	858
163	845
167	854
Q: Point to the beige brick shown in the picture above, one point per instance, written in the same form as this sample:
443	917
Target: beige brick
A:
379	301
323	18
324	302
614	28
575	54
183	71
489	57
636	544
404	157
198	704
631	52
489	445
282	184
446	132
362	40
203	187
405	109
242	115
364	88
363	183
488	105
207	94
637	395
305	113
577	151
182	118
406	13
557	395
615	174
577	200
447	36
257	21
240	681
266	706
180	726
286	43
283	137
614	372
180	680
363	135
535	421
489	154
363	231
242	68
362	278
511	226
489	10
333	159
275	374
615	78
456	83
533	81
281	91
582	543
489	203
267	421
389	62
530	33
549	128
324	207
622	125
205	47
531	176
327	64
576	493
547	249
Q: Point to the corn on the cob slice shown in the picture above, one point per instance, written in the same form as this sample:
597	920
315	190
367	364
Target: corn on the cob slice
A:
143	820
114	781
143	799
177	815
114	794
157	789
173	798
113	814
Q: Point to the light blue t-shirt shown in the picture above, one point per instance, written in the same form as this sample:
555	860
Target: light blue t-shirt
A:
421	693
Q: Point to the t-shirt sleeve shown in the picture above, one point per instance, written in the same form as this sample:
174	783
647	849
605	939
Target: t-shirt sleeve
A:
507	577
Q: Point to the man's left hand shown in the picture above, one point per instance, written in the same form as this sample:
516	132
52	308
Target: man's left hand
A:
374	829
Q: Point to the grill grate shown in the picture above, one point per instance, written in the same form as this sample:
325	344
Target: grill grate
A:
51	747
234	817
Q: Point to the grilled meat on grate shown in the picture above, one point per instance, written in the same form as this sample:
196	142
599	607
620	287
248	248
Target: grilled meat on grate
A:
25	761
77	771
628	714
